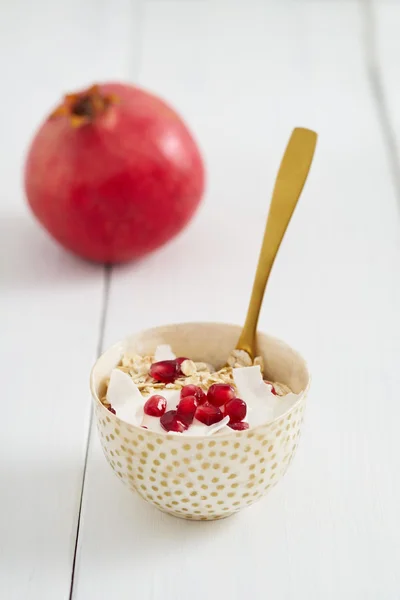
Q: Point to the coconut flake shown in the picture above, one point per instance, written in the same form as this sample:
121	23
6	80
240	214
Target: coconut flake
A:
257	395
125	397
122	390
163	352
262	404
224	431
248	380
198	428
217	426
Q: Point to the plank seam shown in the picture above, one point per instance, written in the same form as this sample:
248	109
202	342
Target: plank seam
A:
102	325
374	74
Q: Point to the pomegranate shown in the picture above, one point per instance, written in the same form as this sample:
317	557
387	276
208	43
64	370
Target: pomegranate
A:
235	409
186	409
171	422
155	406
113	173
240	426
165	371
194	390
219	393
208	414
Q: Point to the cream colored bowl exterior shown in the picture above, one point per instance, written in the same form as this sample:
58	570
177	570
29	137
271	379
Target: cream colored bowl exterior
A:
202	478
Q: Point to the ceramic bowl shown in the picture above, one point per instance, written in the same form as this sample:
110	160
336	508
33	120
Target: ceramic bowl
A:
202	478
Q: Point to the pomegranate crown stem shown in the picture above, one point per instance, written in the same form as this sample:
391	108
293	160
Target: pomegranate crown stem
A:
82	108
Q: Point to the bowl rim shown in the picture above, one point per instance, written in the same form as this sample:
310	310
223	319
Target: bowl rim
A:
178	436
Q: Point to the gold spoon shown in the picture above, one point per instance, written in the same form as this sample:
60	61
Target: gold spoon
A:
292	175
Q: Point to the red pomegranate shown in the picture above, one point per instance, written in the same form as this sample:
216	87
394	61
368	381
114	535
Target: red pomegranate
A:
113	173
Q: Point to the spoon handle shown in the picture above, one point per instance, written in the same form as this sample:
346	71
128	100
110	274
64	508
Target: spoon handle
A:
292	174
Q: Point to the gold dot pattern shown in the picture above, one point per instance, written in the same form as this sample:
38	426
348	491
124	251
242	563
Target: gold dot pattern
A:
201	480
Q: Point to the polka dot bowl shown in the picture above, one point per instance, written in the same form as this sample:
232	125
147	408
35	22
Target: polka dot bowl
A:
202	478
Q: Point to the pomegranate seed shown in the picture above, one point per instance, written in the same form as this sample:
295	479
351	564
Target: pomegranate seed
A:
272	387
186	409
241	426
155	406
194	390
112	410
144	427
165	371
208	414
236	410
219	393
171	422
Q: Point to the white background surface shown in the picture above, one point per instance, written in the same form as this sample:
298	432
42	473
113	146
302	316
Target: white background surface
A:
243	74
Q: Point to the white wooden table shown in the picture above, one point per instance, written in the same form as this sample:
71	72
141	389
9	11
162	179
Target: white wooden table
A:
243	74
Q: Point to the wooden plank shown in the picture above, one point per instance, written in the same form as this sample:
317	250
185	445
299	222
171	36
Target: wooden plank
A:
243	76
50	302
